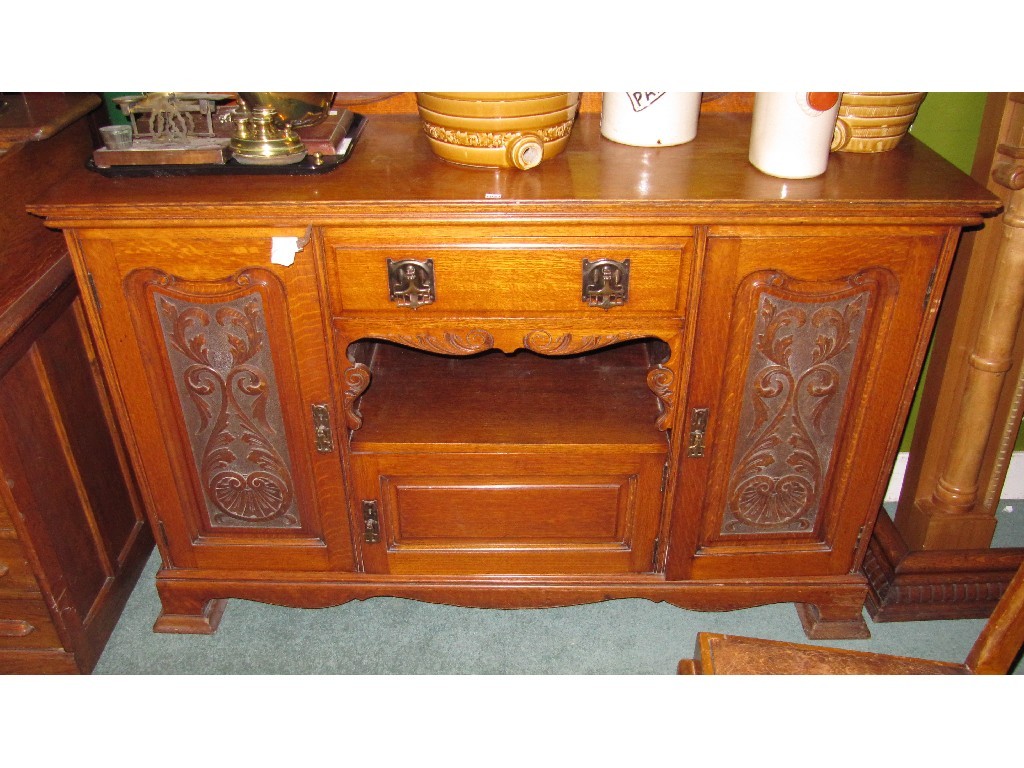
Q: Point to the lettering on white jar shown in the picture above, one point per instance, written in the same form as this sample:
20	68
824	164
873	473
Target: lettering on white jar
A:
641	100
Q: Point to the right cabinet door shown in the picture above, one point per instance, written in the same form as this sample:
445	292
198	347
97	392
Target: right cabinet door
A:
807	346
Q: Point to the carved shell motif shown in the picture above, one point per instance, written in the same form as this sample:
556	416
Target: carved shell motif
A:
801	361
224	377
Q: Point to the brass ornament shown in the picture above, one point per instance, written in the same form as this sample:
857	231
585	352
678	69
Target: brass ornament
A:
264	124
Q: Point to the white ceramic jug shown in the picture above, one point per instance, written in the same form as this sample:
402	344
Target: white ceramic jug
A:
650	118
791	135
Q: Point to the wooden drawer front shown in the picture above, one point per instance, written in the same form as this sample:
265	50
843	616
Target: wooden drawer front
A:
510	279
512	514
16	575
26	624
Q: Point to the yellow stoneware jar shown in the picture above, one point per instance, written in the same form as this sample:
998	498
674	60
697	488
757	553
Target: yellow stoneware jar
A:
497	129
874	121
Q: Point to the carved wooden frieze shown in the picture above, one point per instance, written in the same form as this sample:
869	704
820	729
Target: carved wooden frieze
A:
446	343
219	354
544	343
800	362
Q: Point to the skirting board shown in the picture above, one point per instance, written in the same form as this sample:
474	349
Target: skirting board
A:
1013	487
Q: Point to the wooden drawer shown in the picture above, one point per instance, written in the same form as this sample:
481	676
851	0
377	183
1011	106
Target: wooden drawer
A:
507	277
16	575
26	623
511	513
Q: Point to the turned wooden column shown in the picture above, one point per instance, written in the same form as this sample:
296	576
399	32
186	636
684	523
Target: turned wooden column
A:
948	518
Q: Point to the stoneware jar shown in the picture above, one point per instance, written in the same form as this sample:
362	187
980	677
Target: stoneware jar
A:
650	118
874	121
497	129
791	135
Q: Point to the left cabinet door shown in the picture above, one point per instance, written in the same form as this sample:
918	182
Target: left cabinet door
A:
221	363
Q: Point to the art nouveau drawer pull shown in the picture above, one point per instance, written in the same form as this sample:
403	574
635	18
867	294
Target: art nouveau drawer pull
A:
411	282
14	628
605	283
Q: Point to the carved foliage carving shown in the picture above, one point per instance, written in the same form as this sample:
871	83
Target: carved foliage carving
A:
224	375
544	343
801	360
446	343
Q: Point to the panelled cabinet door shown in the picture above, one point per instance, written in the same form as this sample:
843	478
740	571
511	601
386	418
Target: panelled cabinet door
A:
805	354
233	437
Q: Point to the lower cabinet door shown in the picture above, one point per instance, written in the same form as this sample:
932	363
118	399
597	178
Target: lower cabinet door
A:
507	513
221	359
808	347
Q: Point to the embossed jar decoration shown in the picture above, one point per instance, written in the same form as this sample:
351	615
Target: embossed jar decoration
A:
497	130
874	121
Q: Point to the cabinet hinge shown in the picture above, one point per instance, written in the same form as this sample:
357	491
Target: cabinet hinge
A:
698	424
860	535
928	290
162	533
95	293
664	474
322	428
654	556
371	522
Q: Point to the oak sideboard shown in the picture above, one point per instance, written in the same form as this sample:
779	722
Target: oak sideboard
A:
628	372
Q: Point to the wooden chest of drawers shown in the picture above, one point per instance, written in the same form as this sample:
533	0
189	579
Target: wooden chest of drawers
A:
73	535
625	373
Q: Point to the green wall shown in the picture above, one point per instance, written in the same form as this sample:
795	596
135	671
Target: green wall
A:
949	123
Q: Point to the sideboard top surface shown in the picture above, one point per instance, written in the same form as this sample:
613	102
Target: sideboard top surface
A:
393	173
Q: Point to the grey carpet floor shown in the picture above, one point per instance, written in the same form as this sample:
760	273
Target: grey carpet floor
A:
392	636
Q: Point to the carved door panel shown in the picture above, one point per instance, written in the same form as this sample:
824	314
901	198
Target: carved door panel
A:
807	348
221	359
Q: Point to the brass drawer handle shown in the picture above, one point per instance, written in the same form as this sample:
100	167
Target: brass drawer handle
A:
13	628
411	282
605	283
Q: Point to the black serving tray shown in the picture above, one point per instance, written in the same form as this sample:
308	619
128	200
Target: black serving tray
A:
308	166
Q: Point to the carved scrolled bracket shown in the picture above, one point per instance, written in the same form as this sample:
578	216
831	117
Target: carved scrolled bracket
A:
544	343
660	380
357	379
